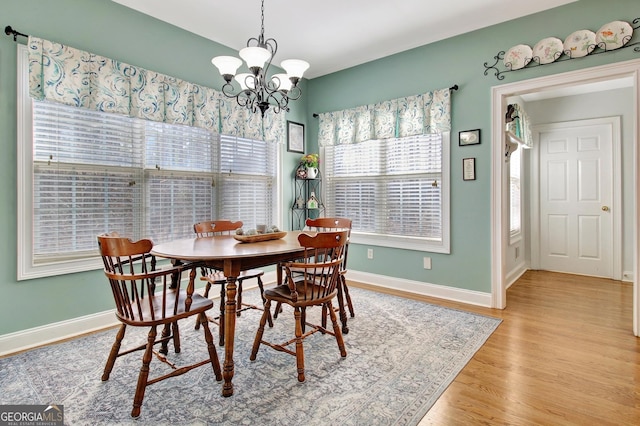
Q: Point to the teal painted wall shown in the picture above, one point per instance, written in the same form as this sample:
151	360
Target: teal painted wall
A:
117	32
459	60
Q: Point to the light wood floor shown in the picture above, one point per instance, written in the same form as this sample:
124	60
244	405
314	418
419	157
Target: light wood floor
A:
564	354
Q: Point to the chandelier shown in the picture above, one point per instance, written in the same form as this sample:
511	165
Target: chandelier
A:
257	90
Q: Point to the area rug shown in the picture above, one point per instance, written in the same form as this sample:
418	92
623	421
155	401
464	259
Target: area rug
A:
402	354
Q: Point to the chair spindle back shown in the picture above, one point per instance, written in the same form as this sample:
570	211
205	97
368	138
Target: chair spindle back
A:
141	293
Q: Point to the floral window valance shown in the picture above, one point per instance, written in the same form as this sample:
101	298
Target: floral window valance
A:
412	115
74	77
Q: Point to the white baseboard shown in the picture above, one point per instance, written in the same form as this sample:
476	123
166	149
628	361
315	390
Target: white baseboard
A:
38	336
627	276
516	273
417	287
50	333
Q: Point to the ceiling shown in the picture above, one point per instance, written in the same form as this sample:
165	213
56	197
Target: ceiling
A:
336	34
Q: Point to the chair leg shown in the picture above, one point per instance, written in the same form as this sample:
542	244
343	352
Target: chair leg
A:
213	355
299	348
342	294
348	297
260	332
324	316
206	294
223	298
239	299
341	309
164	346
277	310
261	286
114	352
336	330
176	337
144	373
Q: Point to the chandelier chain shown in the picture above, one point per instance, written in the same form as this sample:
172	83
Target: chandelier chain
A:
262	22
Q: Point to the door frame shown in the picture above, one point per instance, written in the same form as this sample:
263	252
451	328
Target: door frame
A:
616	190
499	194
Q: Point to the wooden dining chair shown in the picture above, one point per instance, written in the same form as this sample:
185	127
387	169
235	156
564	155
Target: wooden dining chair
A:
312	281
323	224
148	297
216	277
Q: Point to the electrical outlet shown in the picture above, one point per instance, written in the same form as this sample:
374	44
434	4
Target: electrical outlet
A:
369	253
426	262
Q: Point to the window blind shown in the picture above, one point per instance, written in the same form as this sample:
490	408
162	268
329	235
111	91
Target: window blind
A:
95	172
388	187
85	171
248	180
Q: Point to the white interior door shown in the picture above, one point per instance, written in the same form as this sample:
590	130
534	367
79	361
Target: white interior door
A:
577	197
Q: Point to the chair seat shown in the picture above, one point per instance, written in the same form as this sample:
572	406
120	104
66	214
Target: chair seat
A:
306	295
218	277
198	304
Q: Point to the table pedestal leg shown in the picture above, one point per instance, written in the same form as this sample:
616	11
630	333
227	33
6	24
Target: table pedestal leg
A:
229	335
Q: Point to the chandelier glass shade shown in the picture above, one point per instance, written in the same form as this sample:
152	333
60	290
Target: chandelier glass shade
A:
258	91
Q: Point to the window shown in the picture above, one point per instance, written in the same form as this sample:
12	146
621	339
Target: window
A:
396	191
85	172
515	197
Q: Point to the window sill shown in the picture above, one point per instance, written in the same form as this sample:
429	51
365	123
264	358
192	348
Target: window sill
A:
406	243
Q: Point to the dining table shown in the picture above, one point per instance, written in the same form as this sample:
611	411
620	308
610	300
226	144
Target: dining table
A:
226	253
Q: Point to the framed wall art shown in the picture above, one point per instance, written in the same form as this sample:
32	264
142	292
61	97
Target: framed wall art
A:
469	137
468	169
295	137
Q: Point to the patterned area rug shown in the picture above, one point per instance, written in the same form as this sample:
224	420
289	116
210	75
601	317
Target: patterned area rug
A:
402	354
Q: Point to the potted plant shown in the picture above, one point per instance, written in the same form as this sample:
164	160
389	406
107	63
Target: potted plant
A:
310	162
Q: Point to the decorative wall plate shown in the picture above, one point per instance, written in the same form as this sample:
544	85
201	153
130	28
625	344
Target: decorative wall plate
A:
548	50
518	57
614	35
580	43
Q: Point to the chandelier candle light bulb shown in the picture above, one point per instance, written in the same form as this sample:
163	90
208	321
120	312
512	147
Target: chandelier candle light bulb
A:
257	90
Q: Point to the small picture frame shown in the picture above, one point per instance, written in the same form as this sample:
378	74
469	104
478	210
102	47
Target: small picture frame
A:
469	137
468	169
295	137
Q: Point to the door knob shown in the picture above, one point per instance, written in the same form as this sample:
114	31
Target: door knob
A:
605	208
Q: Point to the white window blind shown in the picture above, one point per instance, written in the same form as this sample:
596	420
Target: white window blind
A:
392	188
248	176
179	179
86	176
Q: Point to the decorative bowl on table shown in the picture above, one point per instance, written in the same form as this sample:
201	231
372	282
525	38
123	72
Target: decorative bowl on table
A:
254	236
260	237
